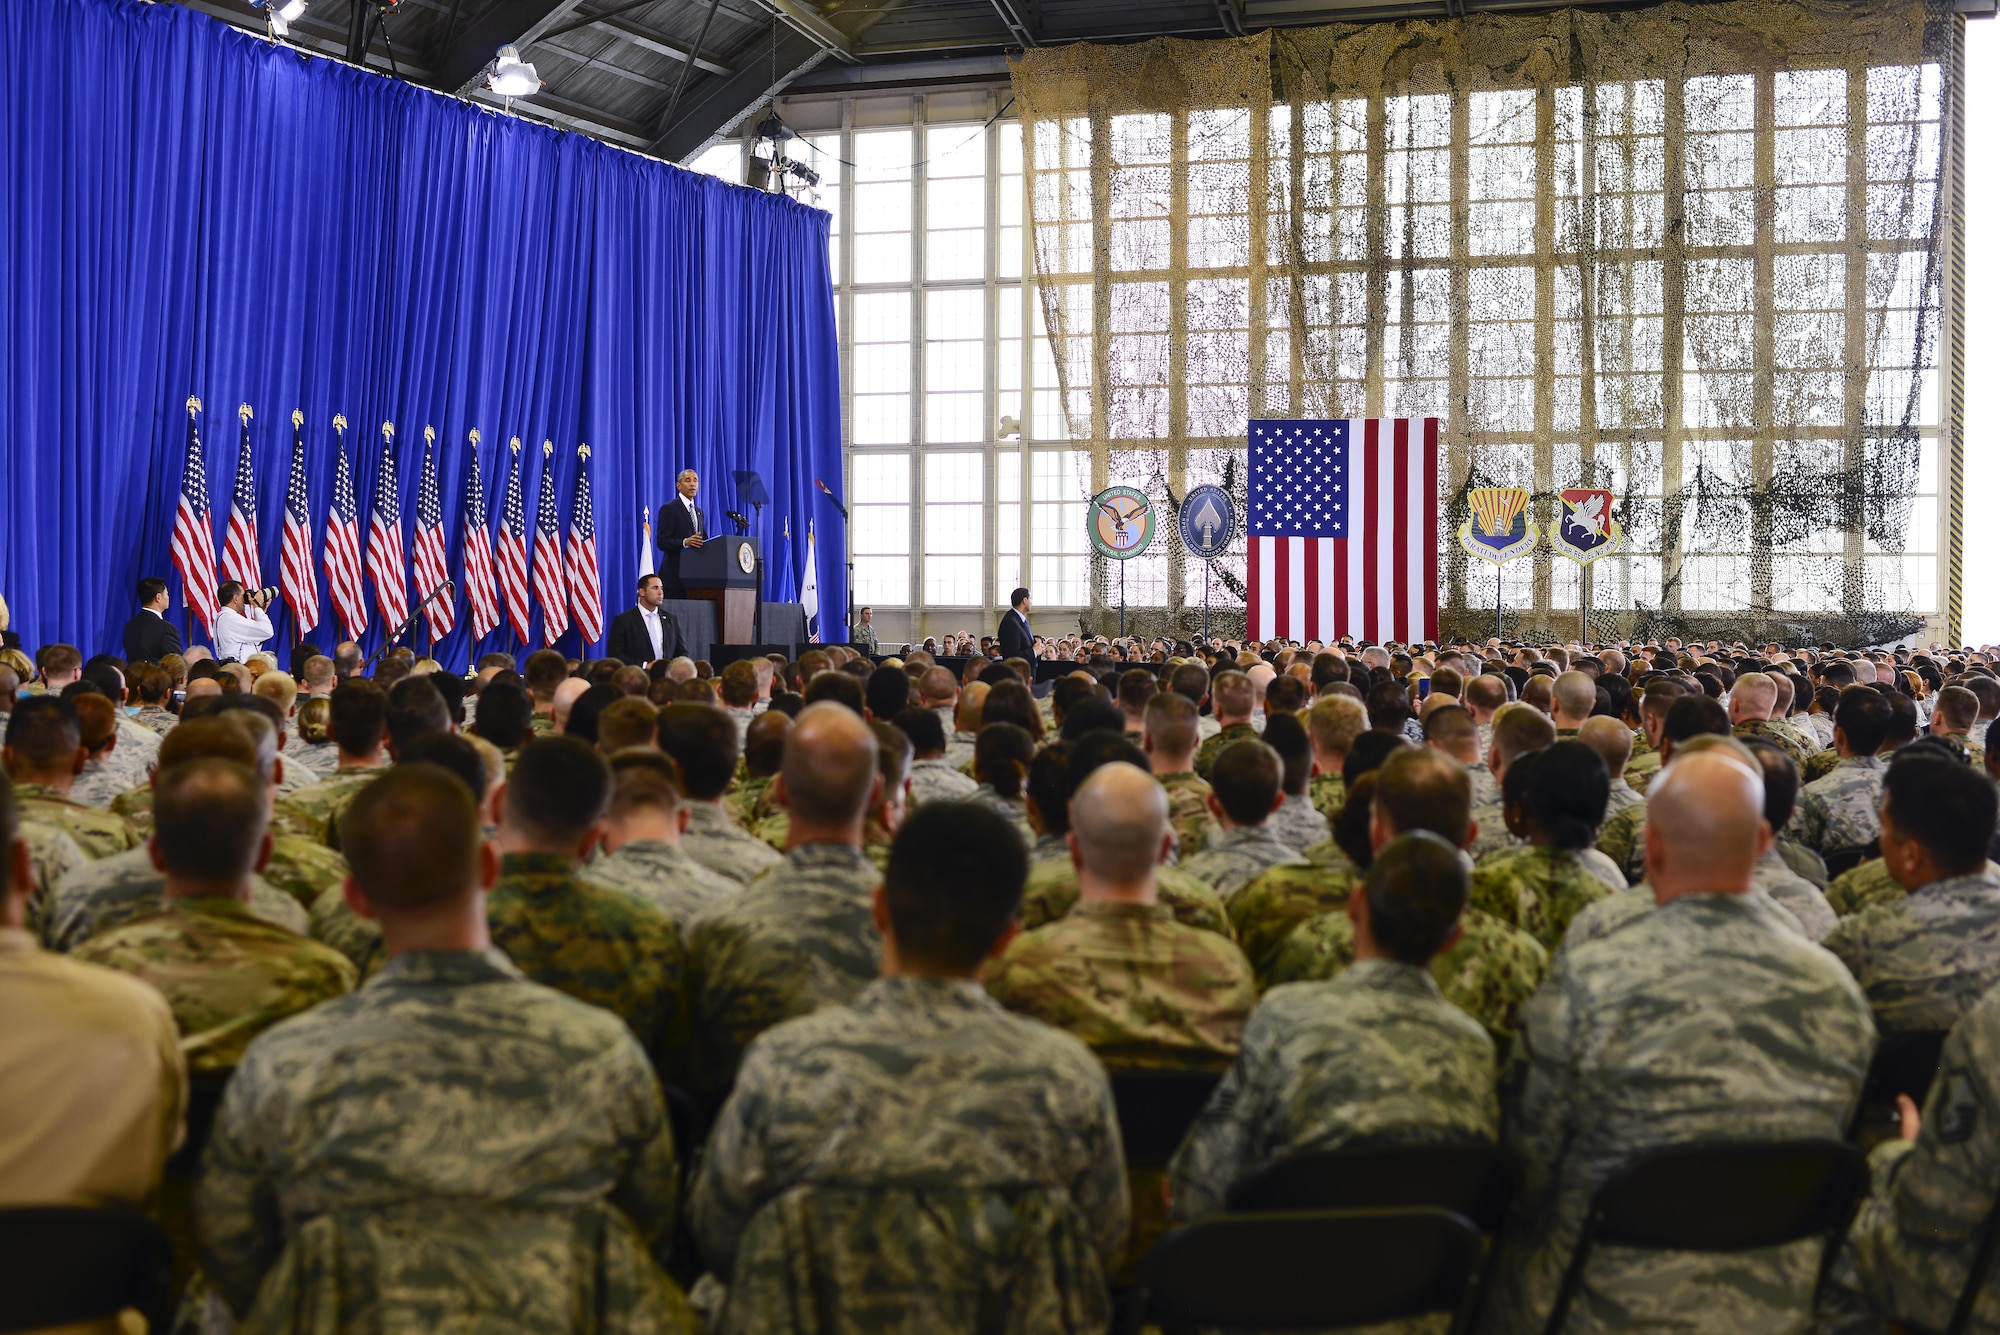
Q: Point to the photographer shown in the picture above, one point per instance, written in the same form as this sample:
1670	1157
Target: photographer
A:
241	625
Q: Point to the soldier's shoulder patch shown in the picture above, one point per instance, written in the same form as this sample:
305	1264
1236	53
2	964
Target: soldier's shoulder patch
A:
1958	1107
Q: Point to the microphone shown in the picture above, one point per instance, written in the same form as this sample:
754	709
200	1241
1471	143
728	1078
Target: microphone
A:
828	493
822	486
737	518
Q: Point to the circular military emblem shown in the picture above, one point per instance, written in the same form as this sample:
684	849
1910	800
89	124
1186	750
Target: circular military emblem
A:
746	560
1121	522
1208	521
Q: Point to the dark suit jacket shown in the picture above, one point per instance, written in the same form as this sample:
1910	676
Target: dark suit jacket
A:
148	636
629	643
1016	641
670	532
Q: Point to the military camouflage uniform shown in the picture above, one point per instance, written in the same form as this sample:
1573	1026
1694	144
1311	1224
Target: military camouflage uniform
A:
1802	860
1608	915
136	806
99	834
358	938
316	809
733	854
749	799
300	864
1623	840
1187	811
1014	809
1808	741
100	895
938	781
1485	788
601	945
958	749
1489	972
1376	1055
1926	959
449	1148
1264	912
863	638
1838	814
1329	795
1234	858
1818	765
53	855
542	725
1862	886
664	874
319	760
1141	990
798	938
100	782
1702	1019
1795	892
1297	824
1911	1245
1052	891
1758	727
156	718
926	1091
227	974
1643	768
1538	890
1622	795
1205	754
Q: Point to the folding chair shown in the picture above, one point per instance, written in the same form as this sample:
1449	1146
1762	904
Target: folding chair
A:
1155	1110
1905	1063
61	1264
1975	1278
1475	1180
1308	1270
1722	1197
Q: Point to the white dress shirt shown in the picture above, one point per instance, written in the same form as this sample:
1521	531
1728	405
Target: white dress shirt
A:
238	634
651	616
694	514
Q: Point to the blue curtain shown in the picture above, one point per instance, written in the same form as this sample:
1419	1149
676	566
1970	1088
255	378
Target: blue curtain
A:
196	211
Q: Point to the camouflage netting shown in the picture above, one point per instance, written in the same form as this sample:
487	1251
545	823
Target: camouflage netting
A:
1689	253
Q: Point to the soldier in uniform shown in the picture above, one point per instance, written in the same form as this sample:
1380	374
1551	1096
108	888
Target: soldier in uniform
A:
1623	838
44	754
1517	729
1375	1055
1652	712
1772	875
1171	734
642	840
1702	1019
109	768
800	936
1233	697
1612	741
227	974
1555	800
1334	721
703	743
1953	715
1910	1249
1449	730
1862	887
888	1136
749	798
1246	780
601	945
325	1186
1924	960
52	855
1836	815
1297	823
358	725
1490	970
966	720
932	777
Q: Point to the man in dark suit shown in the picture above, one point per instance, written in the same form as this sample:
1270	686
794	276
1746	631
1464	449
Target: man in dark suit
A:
680	527
1017	640
149	636
642	633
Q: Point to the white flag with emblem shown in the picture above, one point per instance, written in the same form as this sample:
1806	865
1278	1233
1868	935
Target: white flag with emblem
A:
809	588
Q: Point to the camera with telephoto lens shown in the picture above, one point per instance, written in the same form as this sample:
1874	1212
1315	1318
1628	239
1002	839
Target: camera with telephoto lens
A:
260	597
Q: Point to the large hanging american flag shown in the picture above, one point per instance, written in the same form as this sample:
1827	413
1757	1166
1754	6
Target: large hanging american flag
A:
239	544
301	588
482	597
549	576
194	531
514	548
586	594
1343	529
427	546
385	538
343	542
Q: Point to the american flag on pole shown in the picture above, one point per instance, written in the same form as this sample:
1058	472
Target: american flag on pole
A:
385	538
514	548
482	595
550	579
1343	529
194	532
428	546
239	544
343	542
301	586
586	593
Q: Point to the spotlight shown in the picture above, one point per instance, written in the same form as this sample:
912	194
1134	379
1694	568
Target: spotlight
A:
281	14
510	76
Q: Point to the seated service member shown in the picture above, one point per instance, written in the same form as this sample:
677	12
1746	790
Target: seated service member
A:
642	840
944	1112
327	1184
1246	777
1704	1019
704	743
1375	1054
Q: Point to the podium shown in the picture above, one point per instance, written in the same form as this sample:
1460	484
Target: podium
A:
723	571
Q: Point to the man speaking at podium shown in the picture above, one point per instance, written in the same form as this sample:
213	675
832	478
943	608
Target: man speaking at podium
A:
680	527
